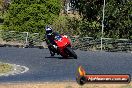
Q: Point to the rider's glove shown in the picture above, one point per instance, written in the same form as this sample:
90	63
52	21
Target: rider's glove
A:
65	36
55	46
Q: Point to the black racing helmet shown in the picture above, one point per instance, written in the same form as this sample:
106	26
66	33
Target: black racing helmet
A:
48	30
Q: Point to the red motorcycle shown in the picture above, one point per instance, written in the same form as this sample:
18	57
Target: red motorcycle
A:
64	46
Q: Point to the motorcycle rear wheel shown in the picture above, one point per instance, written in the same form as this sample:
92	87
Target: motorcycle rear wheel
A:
71	52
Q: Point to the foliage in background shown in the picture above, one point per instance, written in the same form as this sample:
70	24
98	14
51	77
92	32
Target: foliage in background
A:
88	10
117	19
13	36
118	22
1	2
4	4
67	25
76	27
31	15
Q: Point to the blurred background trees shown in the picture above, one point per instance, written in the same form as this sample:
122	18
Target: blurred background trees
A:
81	17
31	15
118	23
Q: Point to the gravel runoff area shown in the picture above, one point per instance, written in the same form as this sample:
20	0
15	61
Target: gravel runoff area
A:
15	69
63	85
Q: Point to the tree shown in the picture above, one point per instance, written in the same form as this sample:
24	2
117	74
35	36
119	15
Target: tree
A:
88	9
117	22
31	15
89	12
4	4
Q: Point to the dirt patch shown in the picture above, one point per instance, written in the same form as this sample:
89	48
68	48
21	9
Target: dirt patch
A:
63	85
7	69
4	68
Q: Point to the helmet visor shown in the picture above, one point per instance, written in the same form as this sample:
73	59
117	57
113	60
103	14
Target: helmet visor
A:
49	31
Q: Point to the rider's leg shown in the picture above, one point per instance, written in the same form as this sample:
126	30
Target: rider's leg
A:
51	51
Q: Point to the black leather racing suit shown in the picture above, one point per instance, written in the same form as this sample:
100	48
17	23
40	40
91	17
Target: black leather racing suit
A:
50	42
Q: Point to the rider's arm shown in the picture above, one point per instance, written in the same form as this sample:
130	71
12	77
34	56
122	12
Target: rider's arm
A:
47	40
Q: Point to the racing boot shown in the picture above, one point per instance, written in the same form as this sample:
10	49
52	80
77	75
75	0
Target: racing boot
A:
56	49
52	53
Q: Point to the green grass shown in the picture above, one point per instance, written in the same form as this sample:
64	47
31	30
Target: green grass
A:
4	68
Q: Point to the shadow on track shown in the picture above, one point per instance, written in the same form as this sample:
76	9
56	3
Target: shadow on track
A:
59	57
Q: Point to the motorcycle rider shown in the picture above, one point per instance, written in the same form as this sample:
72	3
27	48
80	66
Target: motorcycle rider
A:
50	37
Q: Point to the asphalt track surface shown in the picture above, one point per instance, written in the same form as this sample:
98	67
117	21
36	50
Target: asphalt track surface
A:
43	68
